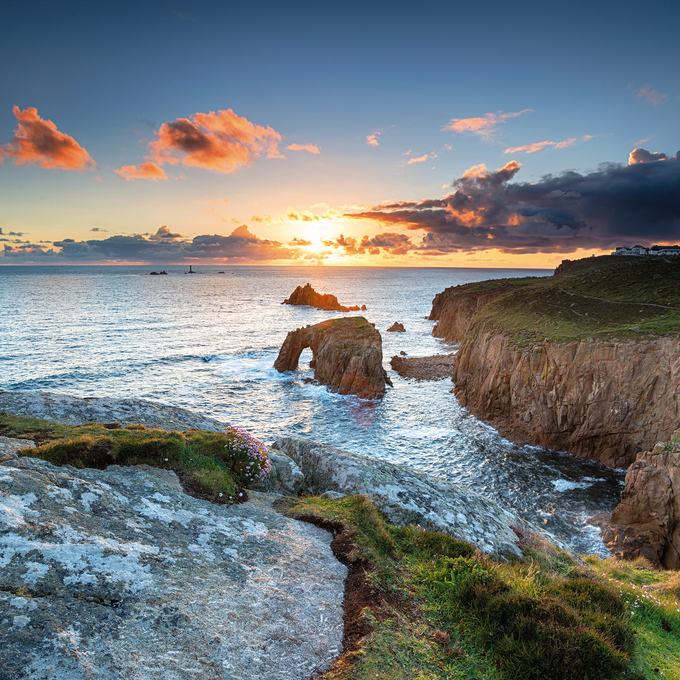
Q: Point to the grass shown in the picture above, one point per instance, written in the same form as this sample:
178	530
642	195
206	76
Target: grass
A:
609	298
210	465
455	613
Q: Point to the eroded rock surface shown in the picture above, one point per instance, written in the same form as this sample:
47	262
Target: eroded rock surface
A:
409	496
346	355
453	309
396	327
119	574
424	368
306	295
76	411
603	400
647	521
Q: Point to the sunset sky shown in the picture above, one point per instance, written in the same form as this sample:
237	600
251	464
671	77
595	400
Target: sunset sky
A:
491	134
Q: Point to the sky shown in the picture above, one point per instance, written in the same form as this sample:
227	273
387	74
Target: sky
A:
443	134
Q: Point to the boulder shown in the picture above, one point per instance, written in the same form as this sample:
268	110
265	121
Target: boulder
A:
409	496
308	296
346	355
396	327
118	573
647	521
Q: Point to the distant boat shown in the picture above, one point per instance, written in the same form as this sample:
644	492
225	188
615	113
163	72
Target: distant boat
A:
163	273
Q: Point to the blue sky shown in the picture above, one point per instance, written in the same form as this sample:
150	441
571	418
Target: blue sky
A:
361	89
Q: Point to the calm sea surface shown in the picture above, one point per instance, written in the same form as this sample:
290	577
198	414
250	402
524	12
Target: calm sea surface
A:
116	331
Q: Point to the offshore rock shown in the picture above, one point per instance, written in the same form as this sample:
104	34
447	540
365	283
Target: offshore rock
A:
346	355
409	496
647	521
453	309
424	368
603	400
396	327
308	296
119	574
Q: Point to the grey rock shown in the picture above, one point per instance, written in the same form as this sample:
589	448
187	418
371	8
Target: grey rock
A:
76	411
409	496
119	574
285	476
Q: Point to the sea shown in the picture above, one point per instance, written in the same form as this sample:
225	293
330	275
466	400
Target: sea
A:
207	342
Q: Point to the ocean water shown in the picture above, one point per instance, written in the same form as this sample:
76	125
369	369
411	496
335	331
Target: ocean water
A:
208	342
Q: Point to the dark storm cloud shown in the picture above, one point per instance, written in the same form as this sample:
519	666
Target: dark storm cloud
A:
163	246
615	205
390	243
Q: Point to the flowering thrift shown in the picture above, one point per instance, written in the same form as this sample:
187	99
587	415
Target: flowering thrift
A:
248	456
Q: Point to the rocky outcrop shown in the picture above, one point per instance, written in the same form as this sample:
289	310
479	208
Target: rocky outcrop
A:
71	410
453	309
647	521
118	573
308	296
602	400
424	368
396	327
409	496
346	355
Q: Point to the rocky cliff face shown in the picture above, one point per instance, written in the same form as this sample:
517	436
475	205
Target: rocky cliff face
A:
346	355
602	400
306	295
647	521
454	311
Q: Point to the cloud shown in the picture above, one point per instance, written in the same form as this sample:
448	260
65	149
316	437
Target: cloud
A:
97	229
420	159
300	242
539	146
261	218
651	96
147	170
293	215
220	141
644	156
373	139
38	142
389	243
162	247
485	125
616	205
312	148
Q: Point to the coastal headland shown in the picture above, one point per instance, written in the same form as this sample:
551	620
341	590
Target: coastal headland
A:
585	361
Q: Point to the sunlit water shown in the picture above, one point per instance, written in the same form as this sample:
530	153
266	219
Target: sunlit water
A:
116	331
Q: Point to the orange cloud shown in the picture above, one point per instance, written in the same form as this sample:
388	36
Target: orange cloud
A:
373	139
539	146
420	159
220	141
644	156
651	95
484	125
38	142
144	171
312	148
479	170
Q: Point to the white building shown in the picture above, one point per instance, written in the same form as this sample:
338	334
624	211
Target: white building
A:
641	250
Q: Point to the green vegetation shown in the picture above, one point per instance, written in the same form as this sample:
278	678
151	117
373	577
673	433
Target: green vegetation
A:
445	611
609	298
216	466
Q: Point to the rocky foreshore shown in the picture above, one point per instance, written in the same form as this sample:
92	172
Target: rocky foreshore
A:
117	572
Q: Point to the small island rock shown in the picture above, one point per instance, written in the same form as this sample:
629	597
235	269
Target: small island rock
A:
396	327
346	355
308	296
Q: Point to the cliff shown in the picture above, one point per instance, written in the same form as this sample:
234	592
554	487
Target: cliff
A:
647	521
586	361
346	355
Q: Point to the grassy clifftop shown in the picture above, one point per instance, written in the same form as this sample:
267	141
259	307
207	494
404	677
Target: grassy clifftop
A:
608	298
